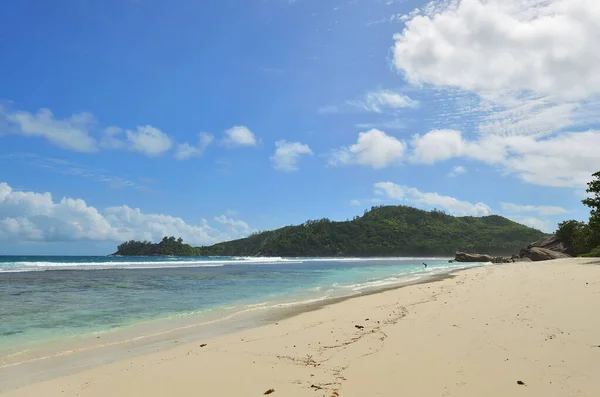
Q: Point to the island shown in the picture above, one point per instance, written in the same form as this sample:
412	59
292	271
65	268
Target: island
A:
382	231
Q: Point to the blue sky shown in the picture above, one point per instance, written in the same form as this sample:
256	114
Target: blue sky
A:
211	120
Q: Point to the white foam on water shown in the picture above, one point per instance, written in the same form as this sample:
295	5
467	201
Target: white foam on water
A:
15	267
172	262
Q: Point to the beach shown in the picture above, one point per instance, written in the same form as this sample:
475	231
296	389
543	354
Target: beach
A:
480	331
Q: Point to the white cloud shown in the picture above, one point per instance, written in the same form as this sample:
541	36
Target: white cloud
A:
539	224
36	217
149	140
540	209
186	151
536	117
355	202
456	171
75	133
378	101
432	200
440	145
132	223
391	190
529	69
29	216
437	145
566	160
548	47
72	133
287	155
374	148
239	136
236	228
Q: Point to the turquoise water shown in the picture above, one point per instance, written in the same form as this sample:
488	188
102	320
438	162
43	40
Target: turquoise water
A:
45	298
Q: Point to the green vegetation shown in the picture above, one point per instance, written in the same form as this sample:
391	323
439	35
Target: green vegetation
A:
382	231
584	238
168	246
595	253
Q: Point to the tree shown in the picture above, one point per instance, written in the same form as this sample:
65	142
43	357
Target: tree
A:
594	201
573	234
593	232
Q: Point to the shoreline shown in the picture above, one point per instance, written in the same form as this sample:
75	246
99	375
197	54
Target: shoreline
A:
472	332
74	354
195	304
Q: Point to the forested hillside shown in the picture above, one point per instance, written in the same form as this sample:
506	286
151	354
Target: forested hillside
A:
382	231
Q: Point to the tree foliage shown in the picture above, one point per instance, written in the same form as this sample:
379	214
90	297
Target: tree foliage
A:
581	238
168	246
572	233
381	231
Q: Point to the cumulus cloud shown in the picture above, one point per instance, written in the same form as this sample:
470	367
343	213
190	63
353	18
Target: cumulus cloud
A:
374	148
239	136
566	160
540	209
378	101
530	67
456	171
71	133
186	151
36	217
76	132
547	47
148	140
437	145
235	228
30	216
287	155
431	200
440	145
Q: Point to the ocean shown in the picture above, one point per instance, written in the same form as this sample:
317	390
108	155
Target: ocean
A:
46	299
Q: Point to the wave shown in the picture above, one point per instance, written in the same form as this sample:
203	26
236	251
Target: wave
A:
335	290
120	263
164	263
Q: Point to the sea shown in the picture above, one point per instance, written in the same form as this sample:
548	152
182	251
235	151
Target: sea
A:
44	299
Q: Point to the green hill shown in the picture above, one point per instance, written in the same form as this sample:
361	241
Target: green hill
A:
382	231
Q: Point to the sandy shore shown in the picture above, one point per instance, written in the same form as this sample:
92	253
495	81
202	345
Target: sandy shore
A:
475	334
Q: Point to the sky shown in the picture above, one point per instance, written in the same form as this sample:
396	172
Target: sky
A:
136	119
